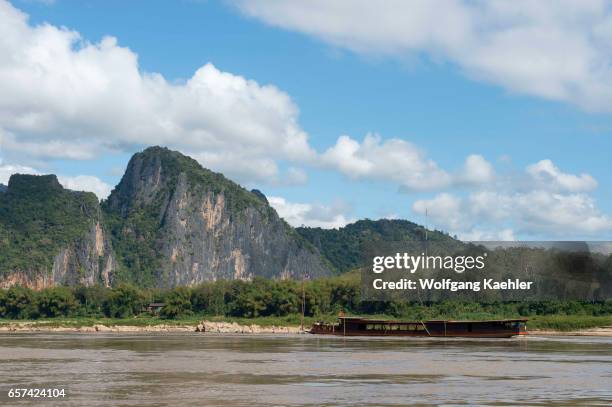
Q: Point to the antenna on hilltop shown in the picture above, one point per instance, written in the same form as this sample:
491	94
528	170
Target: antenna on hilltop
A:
426	225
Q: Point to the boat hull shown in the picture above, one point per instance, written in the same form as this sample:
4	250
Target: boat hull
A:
462	329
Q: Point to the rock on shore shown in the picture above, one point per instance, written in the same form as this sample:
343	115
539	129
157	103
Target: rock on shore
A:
234	328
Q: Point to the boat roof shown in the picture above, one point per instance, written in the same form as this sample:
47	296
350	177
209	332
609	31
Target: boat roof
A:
394	321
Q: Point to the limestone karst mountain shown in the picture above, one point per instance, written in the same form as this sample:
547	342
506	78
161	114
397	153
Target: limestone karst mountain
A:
50	235
168	222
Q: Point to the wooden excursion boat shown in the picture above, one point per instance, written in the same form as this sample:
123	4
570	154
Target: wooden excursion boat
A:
357	326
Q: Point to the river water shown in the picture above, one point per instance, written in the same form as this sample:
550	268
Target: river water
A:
305	370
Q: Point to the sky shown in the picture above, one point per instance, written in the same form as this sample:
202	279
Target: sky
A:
488	120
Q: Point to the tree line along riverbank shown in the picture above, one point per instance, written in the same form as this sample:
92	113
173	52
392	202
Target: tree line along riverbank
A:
270	302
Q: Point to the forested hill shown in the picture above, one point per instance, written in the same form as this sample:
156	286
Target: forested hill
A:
176	223
343	247
49	234
169	222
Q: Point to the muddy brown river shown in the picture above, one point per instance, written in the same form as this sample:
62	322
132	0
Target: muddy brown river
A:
304	370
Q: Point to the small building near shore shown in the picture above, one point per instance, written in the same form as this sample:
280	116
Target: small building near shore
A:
154	307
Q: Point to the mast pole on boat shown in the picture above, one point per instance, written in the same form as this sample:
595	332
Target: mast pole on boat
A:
303	303
425	326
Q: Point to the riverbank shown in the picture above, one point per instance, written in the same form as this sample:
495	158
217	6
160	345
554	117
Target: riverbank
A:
231	328
538	326
202	327
603	331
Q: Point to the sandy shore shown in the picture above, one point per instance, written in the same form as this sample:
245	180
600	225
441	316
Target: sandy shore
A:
202	327
232	328
602	331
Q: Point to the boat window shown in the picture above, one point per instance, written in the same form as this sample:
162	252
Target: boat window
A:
378	327
419	327
394	327
403	327
369	327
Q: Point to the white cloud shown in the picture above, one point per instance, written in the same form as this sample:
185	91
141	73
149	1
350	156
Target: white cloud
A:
549	207
557	50
476	170
64	97
7	170
401	162
445	208
296	176
86	183
547	173
391	160
550	212
78	183
309	214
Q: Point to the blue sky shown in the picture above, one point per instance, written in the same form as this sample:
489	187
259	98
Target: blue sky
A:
432	96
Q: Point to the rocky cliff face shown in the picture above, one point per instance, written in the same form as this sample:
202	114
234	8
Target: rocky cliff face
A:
50	235
87	261
169	222
176	223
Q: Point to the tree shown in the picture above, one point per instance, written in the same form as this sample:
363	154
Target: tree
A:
56	302
249	299
124	301
2	303
177	304
19	303
91	299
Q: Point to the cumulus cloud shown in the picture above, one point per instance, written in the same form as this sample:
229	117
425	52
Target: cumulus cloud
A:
65	97
87	183
557	50
392	159
401	162
444	208
296	176
311	214
546	173
549	207
7	170
476	170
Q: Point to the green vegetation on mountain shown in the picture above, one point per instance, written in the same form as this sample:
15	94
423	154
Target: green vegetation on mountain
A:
172	164
135	209
134	243
343	247
38	217
170	218
169	222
